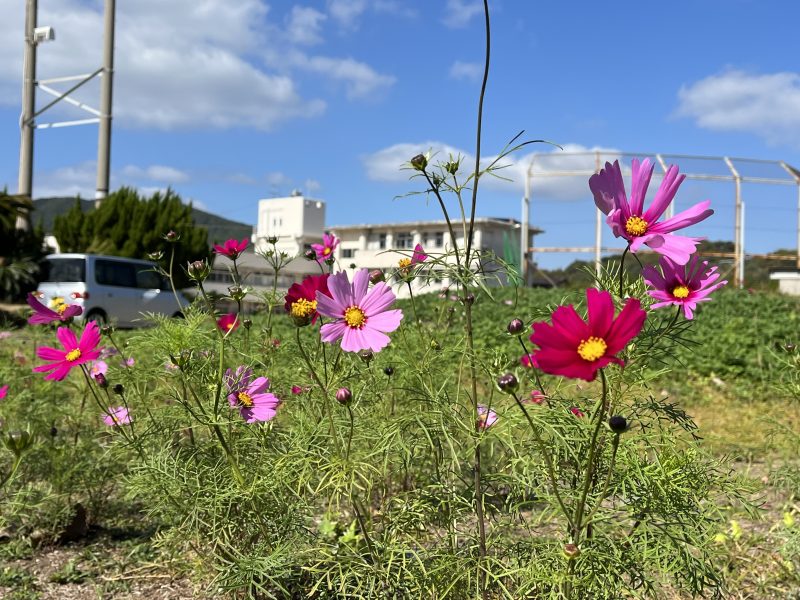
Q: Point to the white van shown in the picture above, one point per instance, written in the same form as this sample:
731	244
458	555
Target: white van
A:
109	288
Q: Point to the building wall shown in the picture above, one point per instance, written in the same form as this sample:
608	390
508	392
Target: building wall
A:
295	220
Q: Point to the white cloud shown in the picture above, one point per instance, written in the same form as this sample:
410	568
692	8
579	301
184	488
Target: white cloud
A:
765	105
278	179
360	79
311	186
304	24
458	13
347	12
184	63
385	165
466	70
242	179
160	173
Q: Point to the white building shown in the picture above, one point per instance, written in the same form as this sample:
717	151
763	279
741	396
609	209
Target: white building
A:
381	246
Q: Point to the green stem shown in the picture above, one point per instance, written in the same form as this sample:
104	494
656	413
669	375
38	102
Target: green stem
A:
414	307
614	447
171	280
534	369
622	270
237	473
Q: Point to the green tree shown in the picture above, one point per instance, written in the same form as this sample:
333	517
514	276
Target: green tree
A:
20	250
127	224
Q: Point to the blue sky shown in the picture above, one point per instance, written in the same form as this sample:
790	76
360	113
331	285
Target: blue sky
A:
232	102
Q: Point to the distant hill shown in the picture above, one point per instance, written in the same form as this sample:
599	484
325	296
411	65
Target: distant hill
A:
47	209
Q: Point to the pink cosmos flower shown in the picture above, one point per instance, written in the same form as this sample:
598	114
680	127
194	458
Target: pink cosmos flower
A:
3	391
486	417
682	285
297	390
228	322
231	248
536	397
43	315
574	348
630	221
117	416
5	335
324	251
528	361
128	362
76	352
362	318
252	399
577	411
99	367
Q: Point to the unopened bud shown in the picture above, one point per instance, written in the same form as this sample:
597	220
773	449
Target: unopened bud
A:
156	256
366	355
53	431
389	371
343	396
618	424
508	383
172	236
118	389
419	162
515	327
571	551
198	270
101	380
330	261
469	299
247	323
452	166
376	276
310	255
107	329
273	239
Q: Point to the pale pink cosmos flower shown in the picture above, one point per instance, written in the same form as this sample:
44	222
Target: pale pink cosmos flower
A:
99	367
630	221
362	315
528	361
128	362
324	251
3	391
682	285
75	353
536	397
117	416
43	315
5	335
486	417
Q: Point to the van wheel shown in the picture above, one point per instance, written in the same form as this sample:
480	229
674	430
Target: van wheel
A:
98	316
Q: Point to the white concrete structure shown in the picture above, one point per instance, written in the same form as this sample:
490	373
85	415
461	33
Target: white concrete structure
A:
297	222
788	282
381	246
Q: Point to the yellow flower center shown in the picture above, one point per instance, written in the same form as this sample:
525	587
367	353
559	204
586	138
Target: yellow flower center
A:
60	308
230	325
636	226
326	251
355	317
592	349
245	399
303	307
73	355
680	291
404	263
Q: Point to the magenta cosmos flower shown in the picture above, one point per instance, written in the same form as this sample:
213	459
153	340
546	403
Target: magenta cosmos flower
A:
575	348
117	416
43	315
250	396
417	258
682	285
301	298
3	391
324	251
76	352
228	323
231	248
362	318
629	220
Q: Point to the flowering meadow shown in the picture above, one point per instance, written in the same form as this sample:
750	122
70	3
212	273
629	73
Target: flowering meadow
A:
480	441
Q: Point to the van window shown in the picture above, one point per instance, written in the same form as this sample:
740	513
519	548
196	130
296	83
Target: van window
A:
112	272
149	280
64	270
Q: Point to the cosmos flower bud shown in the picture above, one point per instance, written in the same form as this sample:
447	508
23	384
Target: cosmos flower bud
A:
273	239
343	396
618	424
419	162
310	255
470	299
508	383
515	327
366	355
389	371
452	166
53	431
236	293
330	261
107	329
247	323
571	551
376	276
172	236
18	441
118	389
156	256
101	380
198	270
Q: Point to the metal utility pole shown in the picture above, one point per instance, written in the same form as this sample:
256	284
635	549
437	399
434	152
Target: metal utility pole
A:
25	182
104	133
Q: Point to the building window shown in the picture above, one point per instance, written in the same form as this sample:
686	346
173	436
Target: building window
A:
404	240
435	239
382	241
348	252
